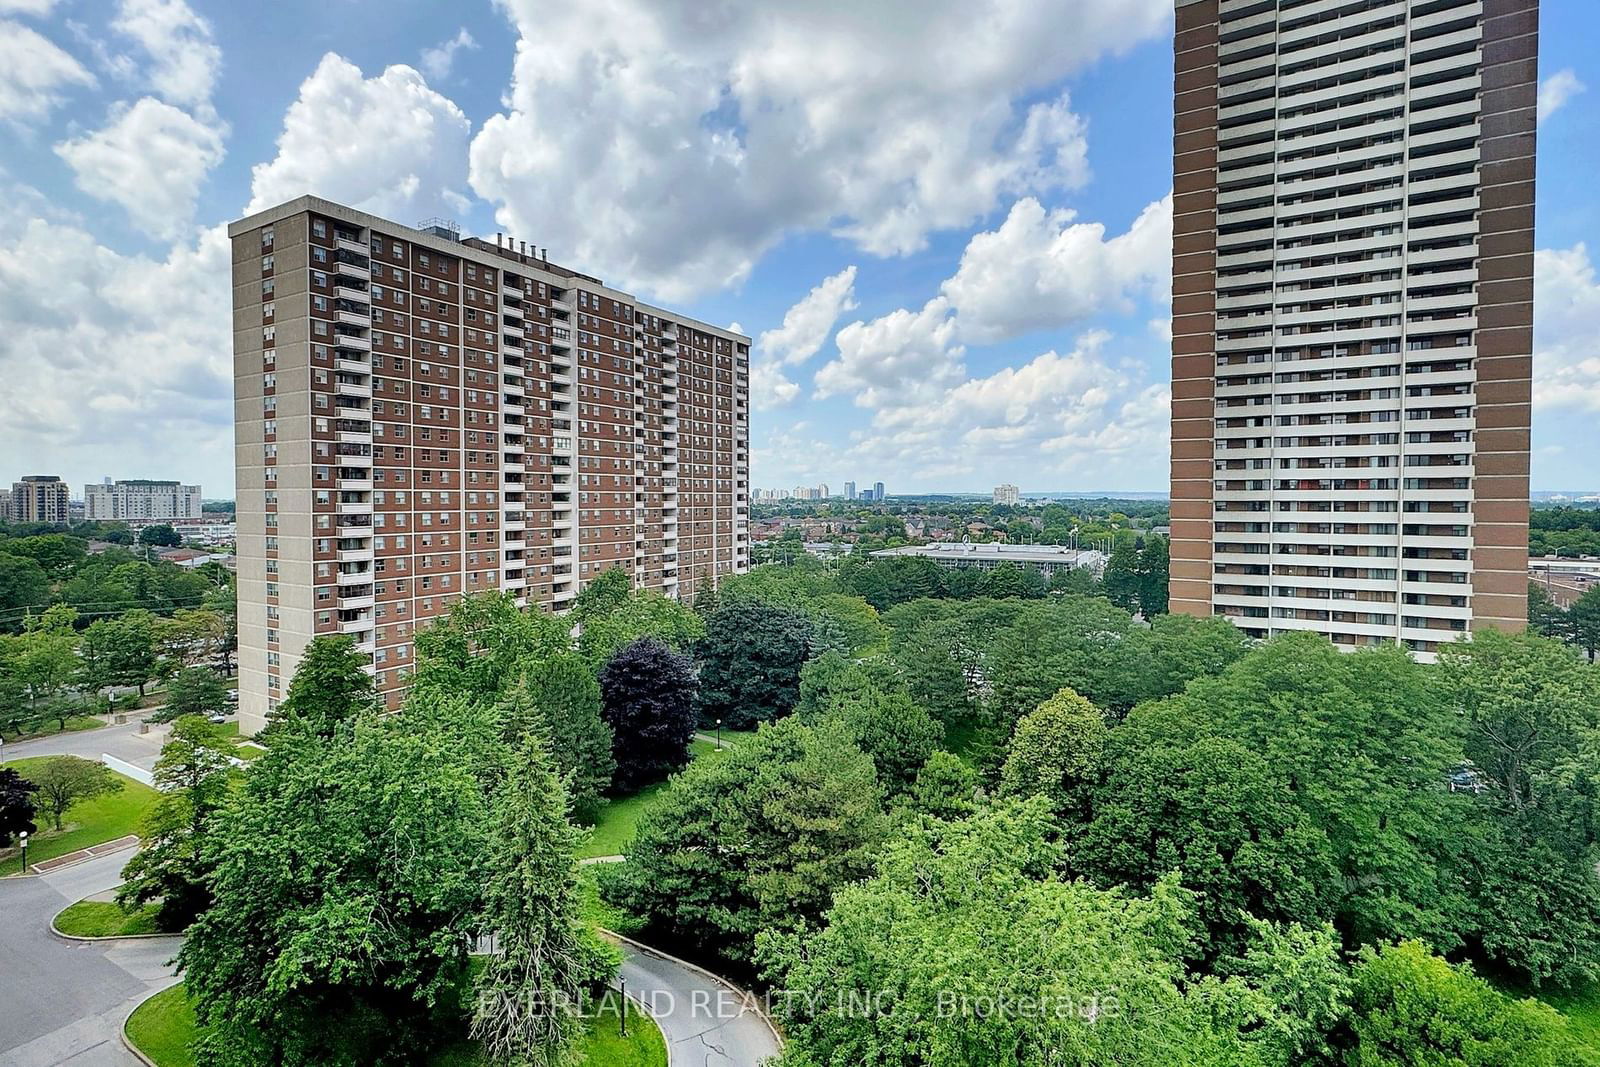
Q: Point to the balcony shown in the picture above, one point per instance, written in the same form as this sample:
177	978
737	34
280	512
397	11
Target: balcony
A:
354	555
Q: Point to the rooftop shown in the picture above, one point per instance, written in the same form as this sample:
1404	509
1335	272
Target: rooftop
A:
1085	557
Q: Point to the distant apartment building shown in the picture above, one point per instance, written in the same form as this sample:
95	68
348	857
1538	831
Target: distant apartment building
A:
420	416
1006	494
877	490
1352	310
138	498
39	498
849	490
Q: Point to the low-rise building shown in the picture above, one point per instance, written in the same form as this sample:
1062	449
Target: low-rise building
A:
1047	559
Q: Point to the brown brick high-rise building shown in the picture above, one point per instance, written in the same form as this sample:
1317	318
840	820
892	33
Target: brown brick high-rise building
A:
1352	315
420	416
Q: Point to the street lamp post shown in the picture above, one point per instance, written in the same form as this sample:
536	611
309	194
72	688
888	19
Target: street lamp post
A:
719	735
23	836
623	992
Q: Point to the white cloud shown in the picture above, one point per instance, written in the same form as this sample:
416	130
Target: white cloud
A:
896	360
124	361
1556	90
1041	269
728	126
26	7
34	73
1566	307
437	61
387	144
769	388
150	159
184	58
807	324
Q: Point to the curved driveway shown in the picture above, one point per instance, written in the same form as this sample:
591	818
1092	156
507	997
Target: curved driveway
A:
65	1000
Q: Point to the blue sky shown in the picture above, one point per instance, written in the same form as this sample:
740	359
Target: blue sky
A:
944	222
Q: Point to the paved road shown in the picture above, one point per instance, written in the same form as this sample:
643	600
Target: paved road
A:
124	742
705	1022
64	1002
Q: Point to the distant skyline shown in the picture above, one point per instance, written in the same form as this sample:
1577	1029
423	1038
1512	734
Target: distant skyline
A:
980	297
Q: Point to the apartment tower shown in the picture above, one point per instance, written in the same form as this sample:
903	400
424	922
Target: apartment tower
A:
1352	315
39	498
420	416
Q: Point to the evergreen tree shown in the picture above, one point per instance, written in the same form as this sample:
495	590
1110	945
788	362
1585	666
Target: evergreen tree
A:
559	699
1153	574
529	997
1122	579
750	662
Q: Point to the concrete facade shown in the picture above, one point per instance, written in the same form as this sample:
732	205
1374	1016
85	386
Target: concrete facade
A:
1352	312
420	416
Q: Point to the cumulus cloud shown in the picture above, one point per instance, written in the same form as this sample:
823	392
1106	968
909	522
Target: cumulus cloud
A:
1566	305
387	144
26	7
34	74
122	359
437	61
899	359
1556	90
150	159
184	60
1042	269
728	126
807	324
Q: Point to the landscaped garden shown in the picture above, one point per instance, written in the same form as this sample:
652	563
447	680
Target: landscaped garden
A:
164	1028
90	821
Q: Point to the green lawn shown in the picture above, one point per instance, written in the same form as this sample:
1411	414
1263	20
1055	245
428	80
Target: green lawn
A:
75	724
163	1027
614	828
250	752
618	815
89	822
102	918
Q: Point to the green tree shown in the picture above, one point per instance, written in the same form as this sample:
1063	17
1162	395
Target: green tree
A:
329	687
529	996
945	788
1583	621
57	554
1069	641
890	727
1012	580
647	697
1057	752
1361	743
194	691
160	535
348	877
62	781
1153	574
645	614
602	594
750	663
171	868
23	587
120	650
1212	812
559	700
973	953
1413	1009
755	840
1545	616
477	650
1158	660
1122	580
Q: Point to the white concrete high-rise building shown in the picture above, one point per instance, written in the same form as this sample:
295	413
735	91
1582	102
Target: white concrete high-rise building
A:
138	498
1352	315
1006	494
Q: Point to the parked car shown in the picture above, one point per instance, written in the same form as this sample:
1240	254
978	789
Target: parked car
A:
233	696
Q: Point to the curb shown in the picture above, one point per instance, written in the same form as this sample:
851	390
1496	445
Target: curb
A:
35	872
63	935
745	995
122	1031
654	1021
